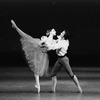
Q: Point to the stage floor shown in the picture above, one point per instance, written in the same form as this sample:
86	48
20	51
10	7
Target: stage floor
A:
18	84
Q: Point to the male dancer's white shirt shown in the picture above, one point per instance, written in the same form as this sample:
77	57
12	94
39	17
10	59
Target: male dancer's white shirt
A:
61	47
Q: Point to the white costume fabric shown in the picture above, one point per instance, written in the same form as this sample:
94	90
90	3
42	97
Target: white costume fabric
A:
35	55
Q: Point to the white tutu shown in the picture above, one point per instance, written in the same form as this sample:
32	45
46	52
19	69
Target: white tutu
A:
36	56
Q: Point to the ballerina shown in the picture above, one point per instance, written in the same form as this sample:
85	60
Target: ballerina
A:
36	52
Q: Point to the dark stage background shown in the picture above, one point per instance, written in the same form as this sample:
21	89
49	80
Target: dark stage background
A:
80	17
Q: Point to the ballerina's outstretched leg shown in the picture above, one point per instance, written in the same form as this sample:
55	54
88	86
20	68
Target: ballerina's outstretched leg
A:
23	34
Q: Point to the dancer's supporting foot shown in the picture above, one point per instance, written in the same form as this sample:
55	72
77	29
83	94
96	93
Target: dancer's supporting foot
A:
37	85
54	83
77	83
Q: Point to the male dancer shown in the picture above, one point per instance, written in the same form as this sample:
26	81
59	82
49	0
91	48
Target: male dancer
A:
61	47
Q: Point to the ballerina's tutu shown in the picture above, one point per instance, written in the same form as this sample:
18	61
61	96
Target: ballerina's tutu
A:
36	56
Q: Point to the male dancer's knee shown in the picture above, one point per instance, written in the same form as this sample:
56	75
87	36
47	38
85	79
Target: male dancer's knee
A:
68	68
72	76
52	74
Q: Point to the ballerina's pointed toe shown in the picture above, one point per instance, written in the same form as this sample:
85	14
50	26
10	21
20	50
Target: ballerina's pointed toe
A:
38	88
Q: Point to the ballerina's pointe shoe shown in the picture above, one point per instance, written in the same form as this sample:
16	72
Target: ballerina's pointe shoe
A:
54	80
38	87
53	91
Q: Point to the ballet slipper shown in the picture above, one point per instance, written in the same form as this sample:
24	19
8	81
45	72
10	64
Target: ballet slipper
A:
54	84
77	83
80	90
38	87
13	24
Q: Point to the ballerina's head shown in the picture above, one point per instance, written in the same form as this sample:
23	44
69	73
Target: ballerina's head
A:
51	32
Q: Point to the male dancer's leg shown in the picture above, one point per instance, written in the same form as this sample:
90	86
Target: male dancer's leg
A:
54	71
71	74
